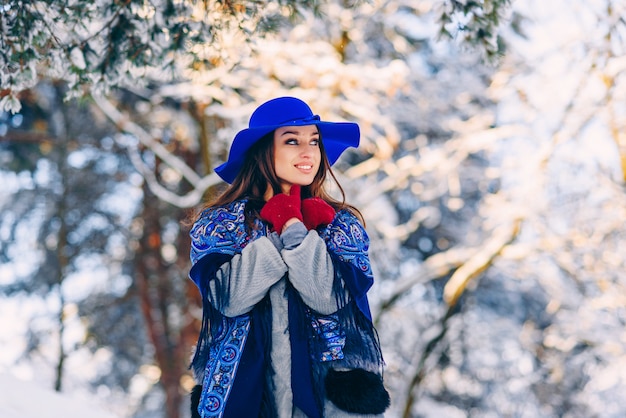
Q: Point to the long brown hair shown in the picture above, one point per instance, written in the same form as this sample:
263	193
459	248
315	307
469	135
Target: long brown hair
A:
258	171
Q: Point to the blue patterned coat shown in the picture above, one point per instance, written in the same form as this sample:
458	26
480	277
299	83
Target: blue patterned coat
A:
232	355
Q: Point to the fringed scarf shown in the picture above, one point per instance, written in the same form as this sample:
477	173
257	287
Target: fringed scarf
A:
233	354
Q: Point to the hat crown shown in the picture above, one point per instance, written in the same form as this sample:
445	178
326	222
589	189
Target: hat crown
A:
282	111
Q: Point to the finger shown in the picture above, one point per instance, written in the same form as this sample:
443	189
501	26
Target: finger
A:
295	190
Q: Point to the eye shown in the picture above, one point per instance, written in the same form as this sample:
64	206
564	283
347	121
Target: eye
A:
315	142
291	141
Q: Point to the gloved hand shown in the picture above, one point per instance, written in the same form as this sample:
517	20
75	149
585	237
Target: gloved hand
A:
316	212
281	207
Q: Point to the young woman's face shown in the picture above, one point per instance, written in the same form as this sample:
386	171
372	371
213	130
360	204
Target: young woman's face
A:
297	155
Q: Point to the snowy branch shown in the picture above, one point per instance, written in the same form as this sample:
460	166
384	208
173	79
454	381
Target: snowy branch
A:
188	200
479	262
199	184
432	268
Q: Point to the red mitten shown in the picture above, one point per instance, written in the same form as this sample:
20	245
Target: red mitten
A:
316	212
281	207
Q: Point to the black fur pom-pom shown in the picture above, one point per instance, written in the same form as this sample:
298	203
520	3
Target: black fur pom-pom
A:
195	400
357	391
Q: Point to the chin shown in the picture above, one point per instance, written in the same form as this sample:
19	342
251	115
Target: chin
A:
302	181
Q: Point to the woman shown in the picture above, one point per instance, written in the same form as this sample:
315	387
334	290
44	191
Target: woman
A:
283	272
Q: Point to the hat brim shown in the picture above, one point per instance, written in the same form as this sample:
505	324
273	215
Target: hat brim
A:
336	136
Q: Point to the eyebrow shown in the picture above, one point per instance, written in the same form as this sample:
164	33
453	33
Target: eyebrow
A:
296	133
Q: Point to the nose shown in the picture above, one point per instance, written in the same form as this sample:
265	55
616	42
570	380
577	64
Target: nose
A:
307	150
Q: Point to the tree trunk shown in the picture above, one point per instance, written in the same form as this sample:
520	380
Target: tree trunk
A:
156	294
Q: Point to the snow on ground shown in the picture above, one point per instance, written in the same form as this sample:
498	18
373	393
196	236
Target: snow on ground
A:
22	399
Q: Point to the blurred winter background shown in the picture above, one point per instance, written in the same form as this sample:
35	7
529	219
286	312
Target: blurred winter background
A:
491	176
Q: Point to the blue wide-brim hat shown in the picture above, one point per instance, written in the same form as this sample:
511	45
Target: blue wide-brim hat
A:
287	111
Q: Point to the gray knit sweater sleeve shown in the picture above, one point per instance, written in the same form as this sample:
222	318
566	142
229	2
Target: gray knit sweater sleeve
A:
248	277
293	236
311	272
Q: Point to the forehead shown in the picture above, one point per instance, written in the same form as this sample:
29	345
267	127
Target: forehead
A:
306	130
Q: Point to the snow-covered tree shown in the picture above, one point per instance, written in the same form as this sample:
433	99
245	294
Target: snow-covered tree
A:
493	194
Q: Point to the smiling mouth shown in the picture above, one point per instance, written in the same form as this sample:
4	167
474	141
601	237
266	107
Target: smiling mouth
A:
304	167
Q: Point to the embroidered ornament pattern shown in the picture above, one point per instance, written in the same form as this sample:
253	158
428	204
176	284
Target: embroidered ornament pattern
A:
327	327
219	230
223	230
222	367
347	238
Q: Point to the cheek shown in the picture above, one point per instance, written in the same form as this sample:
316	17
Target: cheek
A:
282	161
281	158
